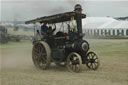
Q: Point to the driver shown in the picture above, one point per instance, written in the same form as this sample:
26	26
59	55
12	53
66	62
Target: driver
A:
44	29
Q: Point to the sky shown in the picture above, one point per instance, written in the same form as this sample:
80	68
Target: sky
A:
22	10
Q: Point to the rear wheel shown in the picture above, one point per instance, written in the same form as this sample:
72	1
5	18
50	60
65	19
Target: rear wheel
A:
41	55
92	61
74	62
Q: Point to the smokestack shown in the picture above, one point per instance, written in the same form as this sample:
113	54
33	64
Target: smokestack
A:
78	10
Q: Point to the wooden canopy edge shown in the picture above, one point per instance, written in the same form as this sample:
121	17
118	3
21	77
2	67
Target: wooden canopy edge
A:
62	17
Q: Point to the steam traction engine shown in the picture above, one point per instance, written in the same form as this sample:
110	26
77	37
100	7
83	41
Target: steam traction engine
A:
64	48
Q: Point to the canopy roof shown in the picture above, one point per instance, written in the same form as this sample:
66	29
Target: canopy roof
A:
62	17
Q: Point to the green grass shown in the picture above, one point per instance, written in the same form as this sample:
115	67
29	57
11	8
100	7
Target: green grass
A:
110	47
104	47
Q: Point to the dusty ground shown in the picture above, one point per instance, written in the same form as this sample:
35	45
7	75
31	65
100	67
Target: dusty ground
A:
18	69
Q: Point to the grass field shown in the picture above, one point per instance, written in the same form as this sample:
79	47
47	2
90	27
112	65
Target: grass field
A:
18	69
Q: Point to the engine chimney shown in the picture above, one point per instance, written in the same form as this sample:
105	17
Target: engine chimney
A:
78	10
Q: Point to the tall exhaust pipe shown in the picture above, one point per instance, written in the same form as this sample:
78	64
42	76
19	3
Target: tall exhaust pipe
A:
78	10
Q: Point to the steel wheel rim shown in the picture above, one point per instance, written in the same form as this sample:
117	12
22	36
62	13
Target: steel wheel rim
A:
40	56
74	62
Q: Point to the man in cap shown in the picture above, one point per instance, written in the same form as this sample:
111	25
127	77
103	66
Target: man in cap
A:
44	29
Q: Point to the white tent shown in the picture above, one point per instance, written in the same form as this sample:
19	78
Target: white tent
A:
105	26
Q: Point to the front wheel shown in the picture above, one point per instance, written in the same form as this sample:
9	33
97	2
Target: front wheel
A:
92	61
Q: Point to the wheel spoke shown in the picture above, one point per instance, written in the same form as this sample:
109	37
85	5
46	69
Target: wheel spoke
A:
95	64
91	65
36	50
95	57
89	56
43	60
92	55
96	61
43	54
37	54
74	58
